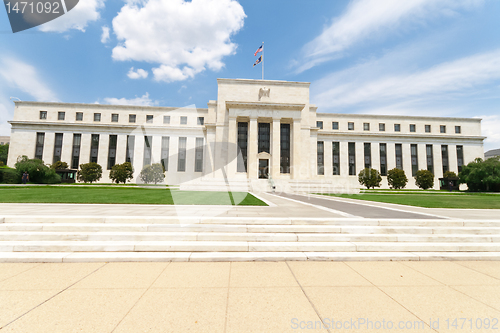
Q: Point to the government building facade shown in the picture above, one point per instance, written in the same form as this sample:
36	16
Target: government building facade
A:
258	133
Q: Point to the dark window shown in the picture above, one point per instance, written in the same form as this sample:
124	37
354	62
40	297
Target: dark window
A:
381	127
414	160
181	162
113	139
165	151
61	115
368	155
79	116
399	156
57	148
319	124
336	158
351	149
40	138
75	157
413	128
366	126
198	159
242	147
94	148
350	126
147	150
114	118
264	137
335	125
397	127
43	114
201	121
130	149
166	119
97	117
430	158
132	118
321	158
383	159
149	119
458	129
444	155
460	157
442	129
427	128
184	120
285	148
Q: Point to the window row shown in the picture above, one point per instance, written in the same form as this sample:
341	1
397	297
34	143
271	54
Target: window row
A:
112	147
381	127
367	152
132	118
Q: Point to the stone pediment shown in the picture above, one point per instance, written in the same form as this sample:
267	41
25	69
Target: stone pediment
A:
264	156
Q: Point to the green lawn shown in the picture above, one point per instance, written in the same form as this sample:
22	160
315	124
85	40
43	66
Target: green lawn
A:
123	195
433	200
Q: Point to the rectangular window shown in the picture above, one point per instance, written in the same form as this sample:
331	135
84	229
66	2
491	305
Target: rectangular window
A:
184	120
335	125
383	159
319	124
61	115
458	129
444	156
149	119
413	128
321	158
165	151
43	114
201	121
75	157
399	156
350	126
97	117
442	129
147	150
430	158
264	137
366	126
368	155
94	148
351	149
166	119
79	116
132	118
198	155
113	139
130	149
381	127
40	138
242	147
181	162
397	127
285	148
460	157
336	158
57	148
427	128
114	118
414	160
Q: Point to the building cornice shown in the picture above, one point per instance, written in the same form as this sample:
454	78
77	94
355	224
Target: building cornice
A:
400	136
264	82
265	105
393	117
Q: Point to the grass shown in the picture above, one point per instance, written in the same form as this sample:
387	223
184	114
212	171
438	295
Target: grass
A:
123	195
436	199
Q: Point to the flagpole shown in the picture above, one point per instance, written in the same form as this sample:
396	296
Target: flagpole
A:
262	60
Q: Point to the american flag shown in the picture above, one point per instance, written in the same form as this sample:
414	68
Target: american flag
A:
258	50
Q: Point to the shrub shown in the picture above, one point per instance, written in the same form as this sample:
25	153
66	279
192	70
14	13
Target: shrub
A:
482	175
396	178
9	176
120	173
89	172
449	174
424	179
1	164
369	178
38	172
59	165
152	174
4	153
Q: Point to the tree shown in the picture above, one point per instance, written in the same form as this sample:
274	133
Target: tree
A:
4	153
449	174
59	165
482	175
396	178
38	172
424	179
89	172
152	174
369	178
120	173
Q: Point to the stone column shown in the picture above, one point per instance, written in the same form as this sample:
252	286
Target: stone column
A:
121	148
328	160
391	156
422	157
156	149
452	158
67	148
375	150
407	164
276	148
232	148
360	157
344	159
253	138
102	155
296	149
438	164
85	148
48	147
138	155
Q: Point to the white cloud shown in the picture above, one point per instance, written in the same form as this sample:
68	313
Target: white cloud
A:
489	126
144	100
78	18
138	74
364	19
184	38
105	35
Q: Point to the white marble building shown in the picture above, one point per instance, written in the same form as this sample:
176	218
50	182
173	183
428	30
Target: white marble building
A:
254	129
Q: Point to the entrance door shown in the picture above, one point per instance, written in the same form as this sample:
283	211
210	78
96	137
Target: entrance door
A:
264	169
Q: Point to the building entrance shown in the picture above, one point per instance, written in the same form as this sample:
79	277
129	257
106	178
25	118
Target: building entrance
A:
263	169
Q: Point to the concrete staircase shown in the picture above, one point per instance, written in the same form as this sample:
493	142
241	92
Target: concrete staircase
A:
85	239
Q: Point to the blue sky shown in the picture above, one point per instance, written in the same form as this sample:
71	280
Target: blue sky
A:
412	57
